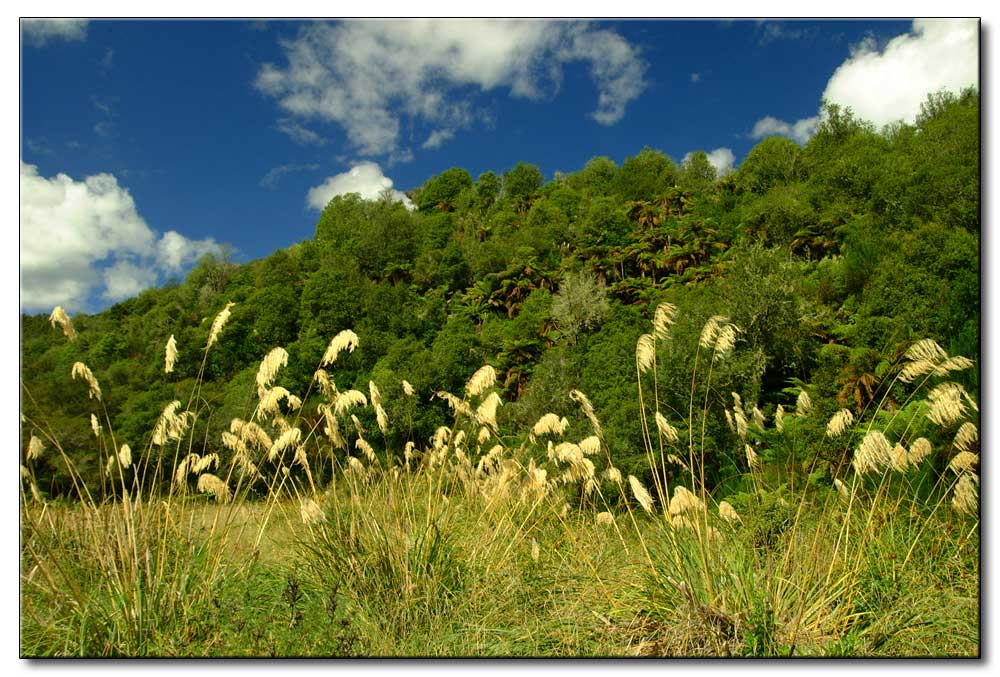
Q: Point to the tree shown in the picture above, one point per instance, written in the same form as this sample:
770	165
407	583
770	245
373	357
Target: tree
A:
646	176
697	173
520	185
442	191
773	162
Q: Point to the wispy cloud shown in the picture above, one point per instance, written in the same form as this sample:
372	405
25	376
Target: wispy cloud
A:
275	174
771	31
84	237
371	76
38	32
299	134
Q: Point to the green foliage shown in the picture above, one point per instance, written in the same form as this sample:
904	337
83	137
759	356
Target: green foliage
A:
443	190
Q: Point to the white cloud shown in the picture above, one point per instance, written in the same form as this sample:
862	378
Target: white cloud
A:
275	174
695	77
39	31
299	134
889	85
365	178
722	159
800	130
82	237
124	279
367	76
438	137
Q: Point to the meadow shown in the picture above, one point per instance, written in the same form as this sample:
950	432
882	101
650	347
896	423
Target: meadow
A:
313	535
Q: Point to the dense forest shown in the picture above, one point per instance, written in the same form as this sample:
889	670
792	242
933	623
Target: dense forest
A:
831	258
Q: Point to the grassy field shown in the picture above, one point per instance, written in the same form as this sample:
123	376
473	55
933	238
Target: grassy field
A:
476	546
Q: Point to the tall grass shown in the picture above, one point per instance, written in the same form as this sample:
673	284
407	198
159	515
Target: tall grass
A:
307	536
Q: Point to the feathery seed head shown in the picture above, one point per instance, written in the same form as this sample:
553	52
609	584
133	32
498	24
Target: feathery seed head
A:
362	444
605	518
956	363
171	425
645	353
588	409
963	461
728	513
613	474
218	323
95	426
125	456
407	388
839	422
349	399
948	402
779	419
486	413
803	403
898	458
725	340
873	454
667	431
270	399
590	445
684	500
376	396
919	450
966	437
289	438
753	459
210	484
35	448
345	340
458	406
710	331
60	317
275	360
662	319
966	498
841	488
326	384
83	371
311	512
484	378
641	494
926	349
171	355
550	424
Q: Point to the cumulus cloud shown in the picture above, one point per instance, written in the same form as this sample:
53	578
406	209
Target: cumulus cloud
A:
799	131
79	238
365	178
889	85
371	77
722	159
39	31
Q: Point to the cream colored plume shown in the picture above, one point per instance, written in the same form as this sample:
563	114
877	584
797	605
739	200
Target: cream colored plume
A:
662	319
83	371
171	355
839	423
345	340
645	353
218	323
641	494
275	360
60	317
484	378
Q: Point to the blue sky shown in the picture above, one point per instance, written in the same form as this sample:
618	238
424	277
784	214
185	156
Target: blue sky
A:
147	143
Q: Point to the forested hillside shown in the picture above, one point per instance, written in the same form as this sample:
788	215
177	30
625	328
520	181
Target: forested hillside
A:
832	259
